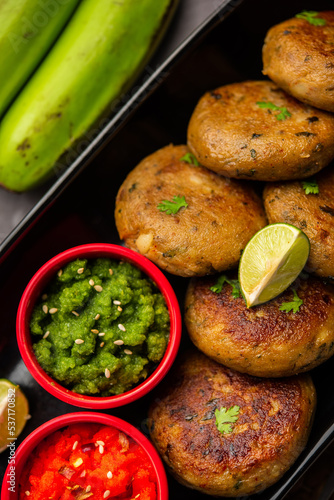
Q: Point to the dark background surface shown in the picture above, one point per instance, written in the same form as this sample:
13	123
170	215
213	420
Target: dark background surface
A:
84	213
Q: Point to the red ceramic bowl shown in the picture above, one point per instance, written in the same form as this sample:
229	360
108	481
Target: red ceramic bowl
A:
34	290
14	470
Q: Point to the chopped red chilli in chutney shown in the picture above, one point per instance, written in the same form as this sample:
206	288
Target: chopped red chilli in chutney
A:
88	461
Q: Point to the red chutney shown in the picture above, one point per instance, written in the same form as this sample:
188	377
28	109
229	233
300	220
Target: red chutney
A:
88	461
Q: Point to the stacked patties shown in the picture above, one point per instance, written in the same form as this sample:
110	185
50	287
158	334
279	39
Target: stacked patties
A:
220	423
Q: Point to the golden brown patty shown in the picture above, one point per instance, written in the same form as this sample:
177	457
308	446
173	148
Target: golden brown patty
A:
231	133
299	57
313	213
206	236
274	420
263	340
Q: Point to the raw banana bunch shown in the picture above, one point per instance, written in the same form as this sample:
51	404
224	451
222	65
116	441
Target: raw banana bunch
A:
28	28
94	61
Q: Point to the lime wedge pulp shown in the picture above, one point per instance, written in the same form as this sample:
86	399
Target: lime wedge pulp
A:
14	411
271	261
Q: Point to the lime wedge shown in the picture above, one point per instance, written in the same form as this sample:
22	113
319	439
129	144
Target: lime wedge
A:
271	261
14	410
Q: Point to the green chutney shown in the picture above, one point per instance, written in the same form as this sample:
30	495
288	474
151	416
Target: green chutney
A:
100	327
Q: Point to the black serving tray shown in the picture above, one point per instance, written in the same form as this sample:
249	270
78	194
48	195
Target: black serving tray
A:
79	207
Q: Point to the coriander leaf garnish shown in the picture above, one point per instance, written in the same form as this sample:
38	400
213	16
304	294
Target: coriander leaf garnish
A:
217	288
310	187
311	16
294	305
225	417
283	112
172	207
190	158
235	288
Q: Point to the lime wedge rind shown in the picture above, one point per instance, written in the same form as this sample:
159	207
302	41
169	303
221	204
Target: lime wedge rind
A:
271	261
11	422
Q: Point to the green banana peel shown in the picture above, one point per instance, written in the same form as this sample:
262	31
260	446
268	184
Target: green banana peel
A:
97	56
28	29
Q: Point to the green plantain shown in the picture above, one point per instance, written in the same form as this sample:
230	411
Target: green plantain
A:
28	28
93	62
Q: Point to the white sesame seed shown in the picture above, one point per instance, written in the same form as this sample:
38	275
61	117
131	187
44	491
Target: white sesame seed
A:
138	495
119	342
44	296
119	309
80	270
100	443
98	288
94	330
111	272
98	316
75	313
101	334
101	449
109	474
102	344
106	494
75	444
88	488
27	493
83	473
60	272
127	351
46	334
53	310
117	302
79	341
45	309
78	462
107	373
91	282
121	327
